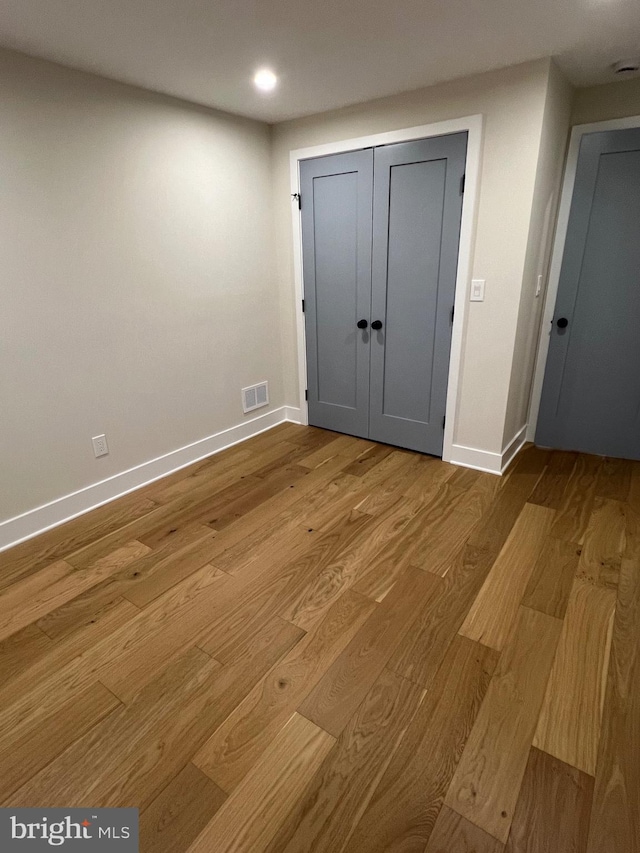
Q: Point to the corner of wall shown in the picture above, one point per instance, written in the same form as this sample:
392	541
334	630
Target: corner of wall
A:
554	133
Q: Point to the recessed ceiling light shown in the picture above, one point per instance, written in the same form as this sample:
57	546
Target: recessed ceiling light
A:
265	80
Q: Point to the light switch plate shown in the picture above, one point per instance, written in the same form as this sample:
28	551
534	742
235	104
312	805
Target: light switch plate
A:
477	290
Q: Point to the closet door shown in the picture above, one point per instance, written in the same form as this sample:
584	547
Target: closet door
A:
417	208
336	254
591	393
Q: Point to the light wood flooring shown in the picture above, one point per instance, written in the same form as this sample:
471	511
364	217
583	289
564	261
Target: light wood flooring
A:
311	642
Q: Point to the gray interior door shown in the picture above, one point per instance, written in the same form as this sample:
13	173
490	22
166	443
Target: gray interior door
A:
336	256
380	235
591	392
416	231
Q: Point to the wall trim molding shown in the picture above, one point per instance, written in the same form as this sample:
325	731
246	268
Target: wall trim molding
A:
557	253
473	125
56	512
486	460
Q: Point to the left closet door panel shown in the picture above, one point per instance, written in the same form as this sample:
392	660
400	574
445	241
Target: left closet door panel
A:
337	198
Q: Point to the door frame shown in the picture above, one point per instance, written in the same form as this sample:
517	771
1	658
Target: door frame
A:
557	253
473	125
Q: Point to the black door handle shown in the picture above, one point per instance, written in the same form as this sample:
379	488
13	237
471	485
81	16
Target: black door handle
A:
362	324
377	324
562	323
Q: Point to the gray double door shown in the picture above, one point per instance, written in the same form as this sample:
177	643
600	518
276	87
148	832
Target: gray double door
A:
591	392
380	235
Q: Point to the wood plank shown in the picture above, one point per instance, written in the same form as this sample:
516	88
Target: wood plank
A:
21	604
144	745
453	834
180	812
276	541
43	741
328	811
71	618
31	687
151	577
493	612
347	681
518	484
553	810
216	472
614	479
142	644
424	646
310	600
388	492
448	526
130	665
487	781
604	544
248	731
634	489
68	617
140	746
18	650
552	577
229	512
552	484
425	478
353	490
62	541
406	802
368	460
570	718
615	820
272	588
426	538
575	507
251	816
344	444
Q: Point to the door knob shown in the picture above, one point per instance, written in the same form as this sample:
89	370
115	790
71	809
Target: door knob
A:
562	323
377	324
362	324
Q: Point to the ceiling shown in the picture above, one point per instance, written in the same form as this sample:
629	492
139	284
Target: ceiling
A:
328	53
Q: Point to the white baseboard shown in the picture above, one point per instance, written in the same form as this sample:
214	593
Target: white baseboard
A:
293	414
514	447
486	460
42	518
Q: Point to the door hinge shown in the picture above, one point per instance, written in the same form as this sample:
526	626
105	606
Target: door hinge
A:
297	197
306	393
462	182
303	306
453	311
444	420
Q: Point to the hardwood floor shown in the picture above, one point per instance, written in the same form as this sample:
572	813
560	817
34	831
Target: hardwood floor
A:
311	642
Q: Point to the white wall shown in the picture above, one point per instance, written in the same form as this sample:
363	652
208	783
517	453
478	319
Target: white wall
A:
553	143
137	293
513	102
611	100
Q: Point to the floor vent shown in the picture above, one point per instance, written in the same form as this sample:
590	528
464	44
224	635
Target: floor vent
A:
255	396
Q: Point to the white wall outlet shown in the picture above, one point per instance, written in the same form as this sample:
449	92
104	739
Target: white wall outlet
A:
100	446
477	290
539	286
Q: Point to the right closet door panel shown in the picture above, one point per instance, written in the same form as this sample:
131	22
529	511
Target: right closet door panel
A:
416	230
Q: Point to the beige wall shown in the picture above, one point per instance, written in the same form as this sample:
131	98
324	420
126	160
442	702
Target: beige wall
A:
553	143
137	293
601	103
513	102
